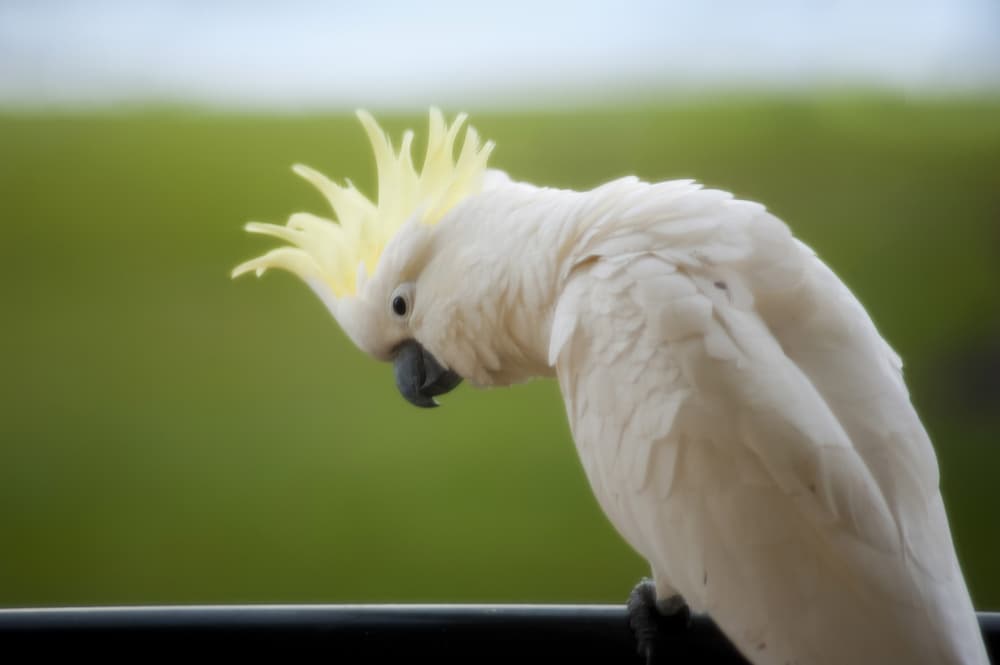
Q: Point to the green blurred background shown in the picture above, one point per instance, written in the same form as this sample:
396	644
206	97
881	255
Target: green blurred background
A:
172	436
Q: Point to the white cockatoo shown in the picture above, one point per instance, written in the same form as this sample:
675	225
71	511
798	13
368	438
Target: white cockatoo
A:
741	421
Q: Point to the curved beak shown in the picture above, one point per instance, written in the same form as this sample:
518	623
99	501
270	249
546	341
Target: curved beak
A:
420	377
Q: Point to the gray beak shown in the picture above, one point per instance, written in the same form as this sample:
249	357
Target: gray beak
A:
420	377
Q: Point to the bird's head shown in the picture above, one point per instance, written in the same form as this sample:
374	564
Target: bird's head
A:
368	264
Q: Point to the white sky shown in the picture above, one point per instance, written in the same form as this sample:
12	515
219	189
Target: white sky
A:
297	53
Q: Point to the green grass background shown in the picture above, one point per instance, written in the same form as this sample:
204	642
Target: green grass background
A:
171	436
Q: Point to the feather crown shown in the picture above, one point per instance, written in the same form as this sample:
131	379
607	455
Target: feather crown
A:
336	256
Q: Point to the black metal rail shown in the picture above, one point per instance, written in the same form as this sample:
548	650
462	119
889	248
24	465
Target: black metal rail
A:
363	634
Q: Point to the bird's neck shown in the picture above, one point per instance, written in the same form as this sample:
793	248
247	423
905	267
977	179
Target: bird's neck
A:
514	246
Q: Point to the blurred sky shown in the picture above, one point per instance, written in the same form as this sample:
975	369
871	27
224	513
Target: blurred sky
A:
301	53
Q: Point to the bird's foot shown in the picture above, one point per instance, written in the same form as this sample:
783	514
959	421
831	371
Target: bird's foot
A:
653	620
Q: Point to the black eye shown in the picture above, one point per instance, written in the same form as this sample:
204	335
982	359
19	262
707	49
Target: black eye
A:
401	300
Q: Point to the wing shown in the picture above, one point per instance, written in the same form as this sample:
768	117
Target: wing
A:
748	431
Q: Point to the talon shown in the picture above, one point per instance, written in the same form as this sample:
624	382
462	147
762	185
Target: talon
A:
651	619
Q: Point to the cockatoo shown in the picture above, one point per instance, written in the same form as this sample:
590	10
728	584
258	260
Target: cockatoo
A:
740	419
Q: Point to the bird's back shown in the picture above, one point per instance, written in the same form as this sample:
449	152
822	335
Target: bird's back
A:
748	431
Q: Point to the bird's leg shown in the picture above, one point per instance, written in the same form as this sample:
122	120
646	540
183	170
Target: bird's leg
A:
653	620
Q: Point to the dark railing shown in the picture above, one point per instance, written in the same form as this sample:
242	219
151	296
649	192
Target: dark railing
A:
364	634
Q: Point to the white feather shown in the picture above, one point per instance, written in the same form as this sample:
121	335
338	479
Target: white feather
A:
755	441
740	419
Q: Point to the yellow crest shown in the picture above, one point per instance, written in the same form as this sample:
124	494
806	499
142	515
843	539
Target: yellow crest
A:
335	252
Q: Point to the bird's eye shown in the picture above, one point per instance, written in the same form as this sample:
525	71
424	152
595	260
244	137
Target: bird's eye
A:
401	300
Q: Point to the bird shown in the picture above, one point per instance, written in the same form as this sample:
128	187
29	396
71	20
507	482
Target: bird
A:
738	416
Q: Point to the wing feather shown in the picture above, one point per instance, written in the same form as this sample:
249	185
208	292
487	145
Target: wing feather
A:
748	431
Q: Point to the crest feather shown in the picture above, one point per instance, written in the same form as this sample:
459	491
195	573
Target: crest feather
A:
339	254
